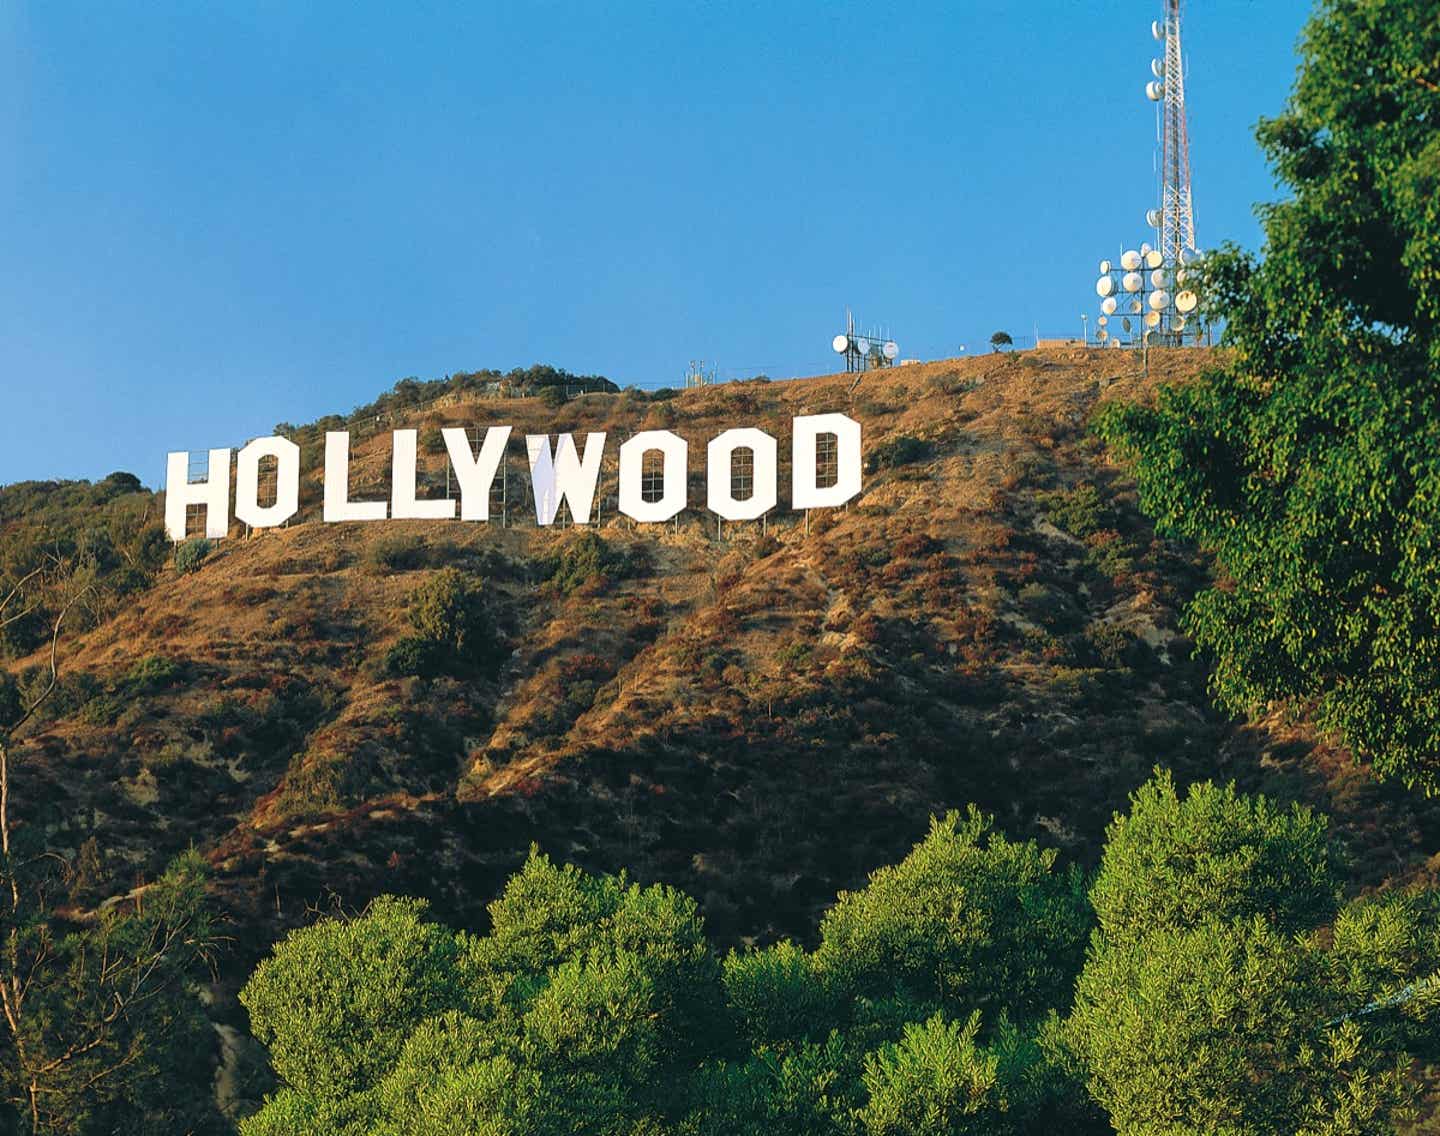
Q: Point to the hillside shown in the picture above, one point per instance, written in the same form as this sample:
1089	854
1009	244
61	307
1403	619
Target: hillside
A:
758	714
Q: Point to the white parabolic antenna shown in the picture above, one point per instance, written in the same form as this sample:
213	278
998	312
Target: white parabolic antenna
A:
1154	258
1186	301
1104	286
1152	319
891	349
862	346
1152	218
1135	305
1132	282
1114	343
1130	260
1157	29
1104	267
1107	305
1125	323
1103	320
1159	299
1178	323
840	343
1157	68
1154	90
1157	278
1102	335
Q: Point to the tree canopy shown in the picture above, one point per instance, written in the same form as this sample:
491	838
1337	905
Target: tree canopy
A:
954	993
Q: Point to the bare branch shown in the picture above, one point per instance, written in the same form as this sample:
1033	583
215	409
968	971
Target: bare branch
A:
34	707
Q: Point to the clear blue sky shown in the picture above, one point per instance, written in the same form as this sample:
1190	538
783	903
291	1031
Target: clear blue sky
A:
215	217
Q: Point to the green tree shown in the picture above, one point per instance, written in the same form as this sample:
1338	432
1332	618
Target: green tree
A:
968	920
1001	339
1310	462
336	1000
1216	854
1229	1028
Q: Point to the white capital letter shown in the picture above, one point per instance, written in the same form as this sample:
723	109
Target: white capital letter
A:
338	506
213	493
475	474
719	463
403	504
565	476
287	483
673	450
804	492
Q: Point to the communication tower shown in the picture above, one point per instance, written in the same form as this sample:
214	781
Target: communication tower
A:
1147	298
698	376
864	351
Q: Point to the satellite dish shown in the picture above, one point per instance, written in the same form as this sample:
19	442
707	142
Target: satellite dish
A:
1186	301
1178	323
1103	320
890	350
1104	267
1159	299
1130	260
1157	68
1132	282
1145	251
1104	286
1157	29
1108	305
1125	323
1135	305
1102	335
1157	278
1180	275
1152	319
1154	90
1154	258
840	343
1114	343
862	346
1152	218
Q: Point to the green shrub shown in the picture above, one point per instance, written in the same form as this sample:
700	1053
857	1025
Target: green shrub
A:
1079	511
397	554
449	609
151	675
416	656
585	558
190	555
897	451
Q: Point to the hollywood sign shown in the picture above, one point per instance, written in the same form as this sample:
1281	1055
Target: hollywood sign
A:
562	473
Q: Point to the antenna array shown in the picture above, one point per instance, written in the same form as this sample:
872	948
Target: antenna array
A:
864	351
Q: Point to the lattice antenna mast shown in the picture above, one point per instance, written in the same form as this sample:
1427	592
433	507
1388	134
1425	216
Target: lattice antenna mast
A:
1177	215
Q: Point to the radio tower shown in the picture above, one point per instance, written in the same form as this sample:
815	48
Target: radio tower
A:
1177	217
